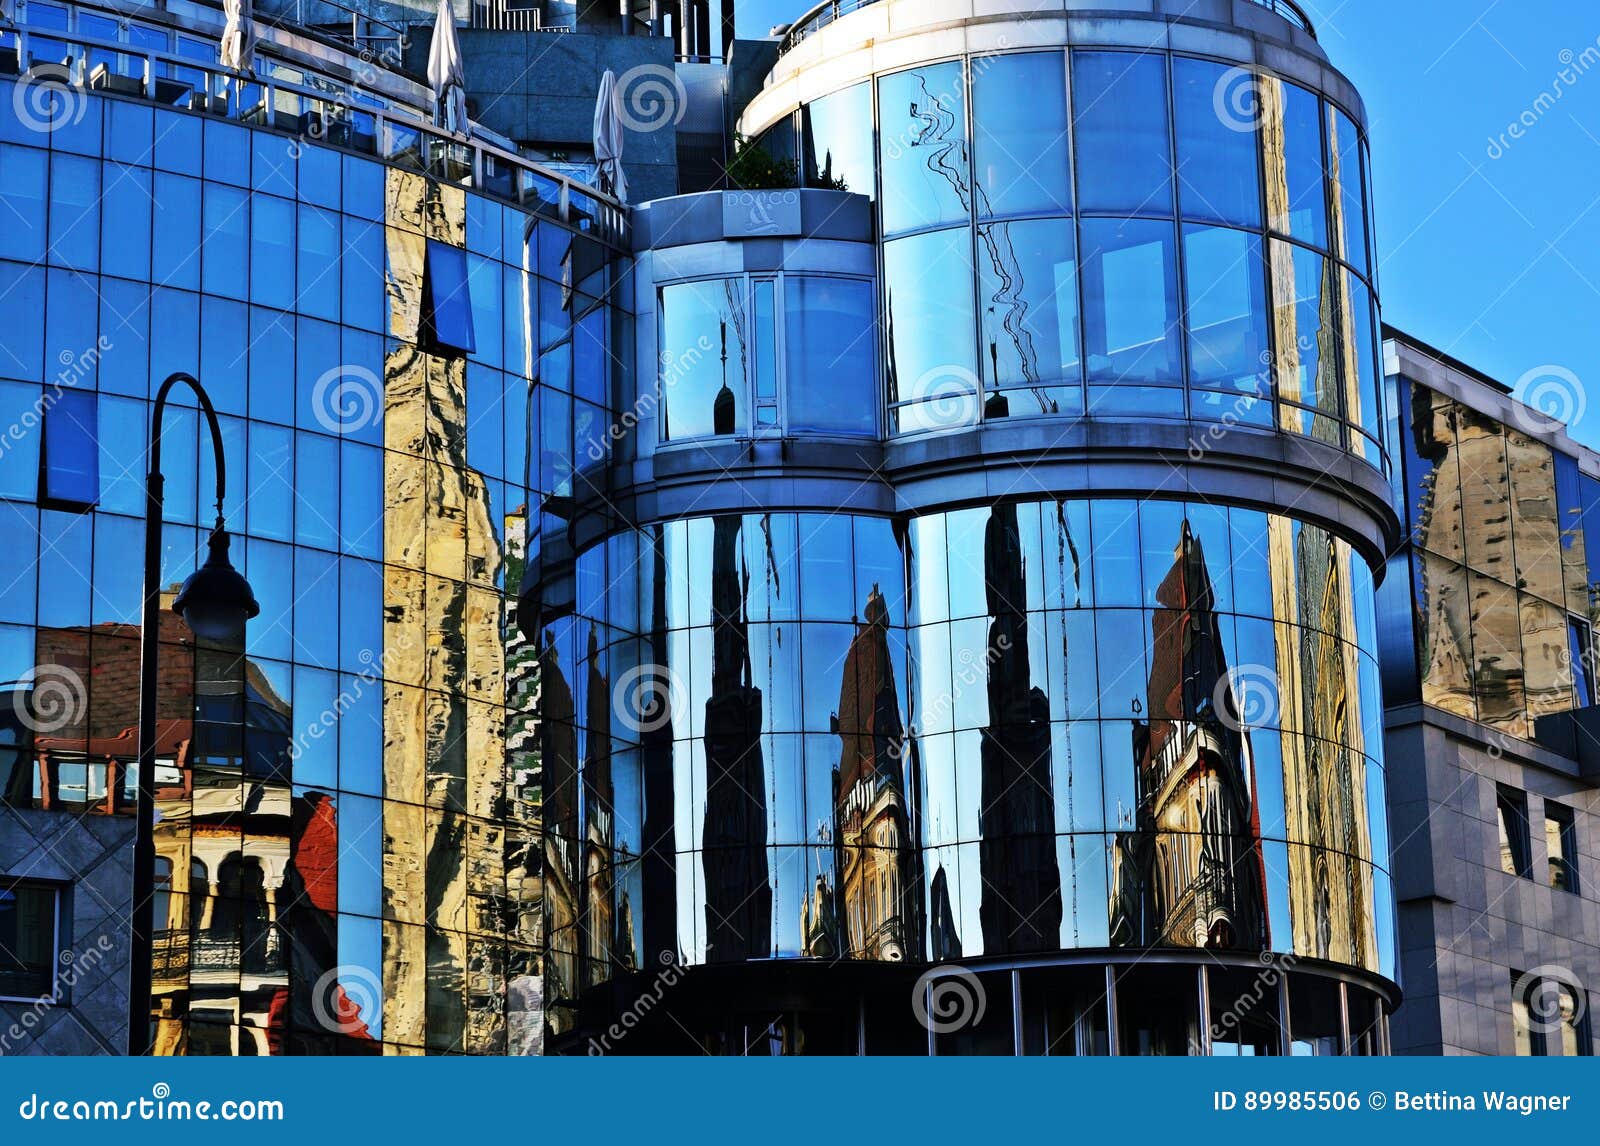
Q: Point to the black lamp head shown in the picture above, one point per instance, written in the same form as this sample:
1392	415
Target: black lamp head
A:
216	600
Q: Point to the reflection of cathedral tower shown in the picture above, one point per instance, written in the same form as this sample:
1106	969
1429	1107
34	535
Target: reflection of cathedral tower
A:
870	812
1190	876
1021	906
598	873
558	752
738	896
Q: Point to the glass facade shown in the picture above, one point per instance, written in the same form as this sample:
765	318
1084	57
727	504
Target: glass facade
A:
1112	234
1503	566
347	814
1025	728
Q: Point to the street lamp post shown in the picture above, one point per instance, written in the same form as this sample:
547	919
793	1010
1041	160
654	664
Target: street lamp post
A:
215	602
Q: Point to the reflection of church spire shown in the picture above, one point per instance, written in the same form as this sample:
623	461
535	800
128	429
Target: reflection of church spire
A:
1021	905
738	896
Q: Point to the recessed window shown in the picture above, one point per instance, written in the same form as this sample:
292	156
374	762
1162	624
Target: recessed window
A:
1561	844
1581	642
447	301
1515	850
69	463
1549	1017
29	937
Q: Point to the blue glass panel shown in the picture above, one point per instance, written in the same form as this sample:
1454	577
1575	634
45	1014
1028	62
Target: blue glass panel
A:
316	519
484	285
227	153
360	879
21	408
320	176
363	188
271	366
272	250
928	292
484	228
521	298
273	164
361	268
361	499
316	608
1218	114
128	132
318	373
178	143
315	748
448	299
75	211
360	616
1296	200
174	332
125	221
71	346
224	353
1120	113
223	257
1227	310
176	260
832	378
836	142
19	525
271	572
123	431
1019	145
1345	168
118	588
65	569
1130	291
1029	298
125	337
271	506
180	440
318	263
361	734
703	360
235	452
23	182
77	125
485	420
923	116
22	350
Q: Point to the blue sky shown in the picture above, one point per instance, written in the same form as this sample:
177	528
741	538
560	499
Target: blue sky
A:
1491	254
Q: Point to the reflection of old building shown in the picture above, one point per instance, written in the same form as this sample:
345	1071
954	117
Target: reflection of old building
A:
1191	874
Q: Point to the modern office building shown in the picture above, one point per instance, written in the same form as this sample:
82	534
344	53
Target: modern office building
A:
924	600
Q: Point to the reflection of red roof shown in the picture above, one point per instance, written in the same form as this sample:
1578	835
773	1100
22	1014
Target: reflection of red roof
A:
316	854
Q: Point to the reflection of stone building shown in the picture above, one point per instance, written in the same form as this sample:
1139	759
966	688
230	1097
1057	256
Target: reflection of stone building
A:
872	814
1021	906
1191	875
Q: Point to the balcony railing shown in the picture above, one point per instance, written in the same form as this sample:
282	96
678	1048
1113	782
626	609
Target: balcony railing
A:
289	95
830	10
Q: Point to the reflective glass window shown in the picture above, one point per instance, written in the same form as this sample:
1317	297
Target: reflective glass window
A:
1028	279
272	251
75	211
831	354
1511	807
1019	144
703	359
1292	148
1130	296
1560	839
125	219
69	463
1344	168
1218	110
176	224
923	142
28	940
447	323
1227	310
1119	106
1364	376
1302	285
928	282
224	258
836	142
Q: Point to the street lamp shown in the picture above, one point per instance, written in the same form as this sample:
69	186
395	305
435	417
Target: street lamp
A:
215	602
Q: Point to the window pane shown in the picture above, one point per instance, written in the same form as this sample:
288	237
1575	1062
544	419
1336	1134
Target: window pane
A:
1019	115
1119	104
837	141
1227	310
928	297
924	144
71	462
27	941
832	372
1306	362
1363	385
1344	167
764	350
1130	299
1218	111
1292	147
702	359
448	302
1029	280
1514	845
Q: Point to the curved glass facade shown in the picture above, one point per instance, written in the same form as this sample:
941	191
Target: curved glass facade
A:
357	869
1024	728
1111	233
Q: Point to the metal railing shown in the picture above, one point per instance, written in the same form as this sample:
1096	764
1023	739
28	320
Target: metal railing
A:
830	10
289	97
499	16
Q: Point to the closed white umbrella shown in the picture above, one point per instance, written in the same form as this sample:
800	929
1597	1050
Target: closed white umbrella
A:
239	36
608	138
447	72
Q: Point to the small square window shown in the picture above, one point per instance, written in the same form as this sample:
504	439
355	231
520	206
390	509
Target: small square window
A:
1561	845
1516	852
29	939
446	301
69	463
